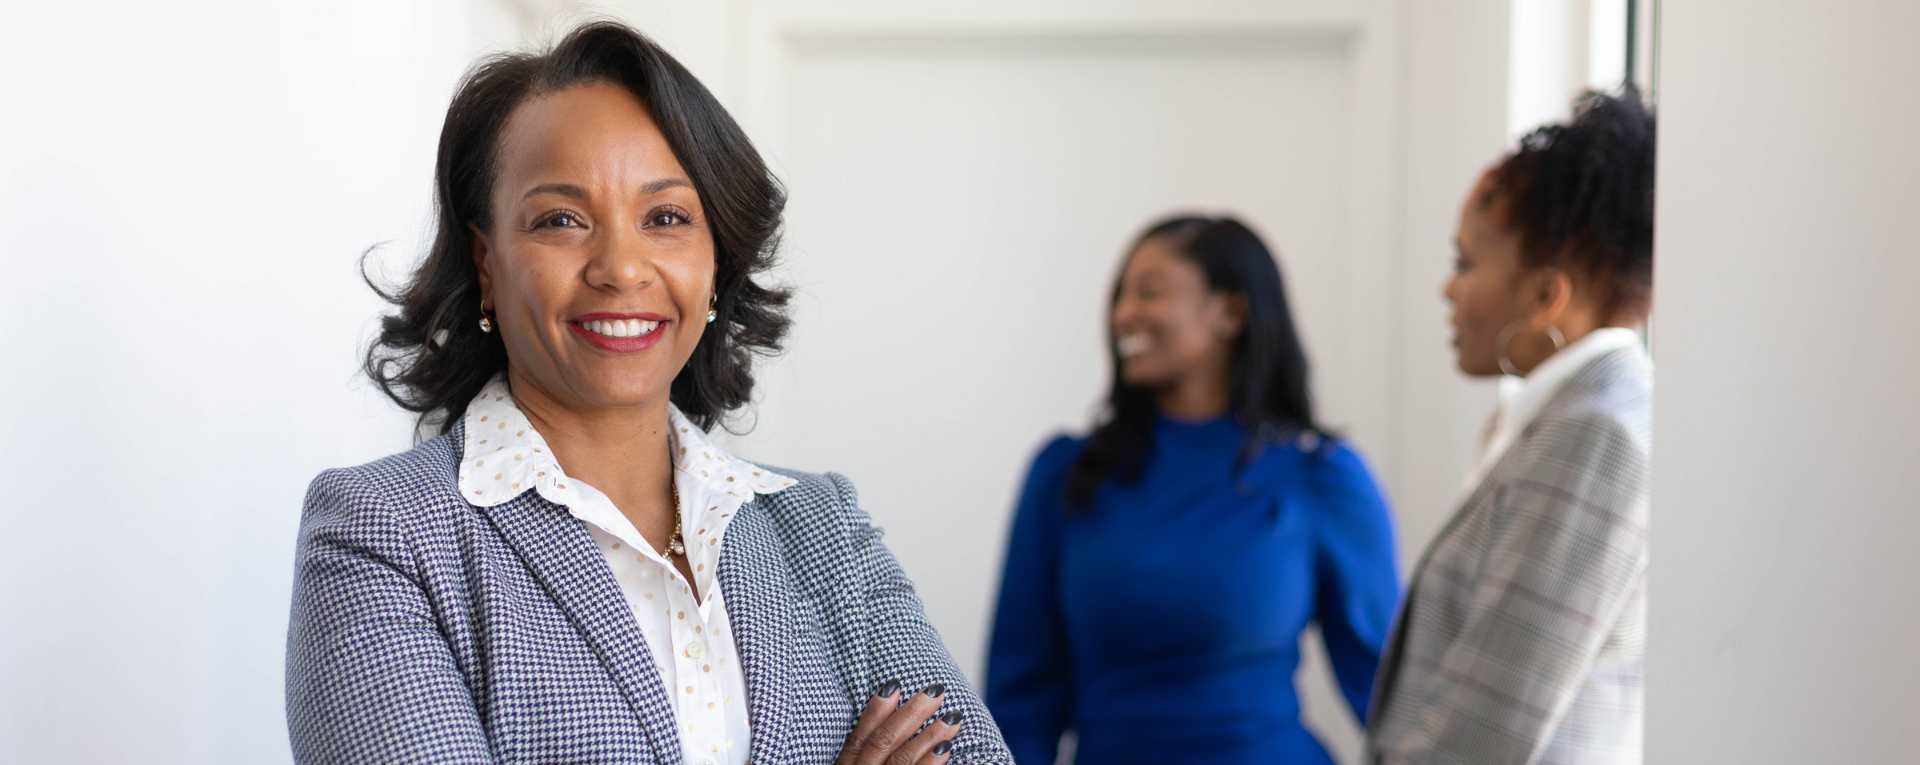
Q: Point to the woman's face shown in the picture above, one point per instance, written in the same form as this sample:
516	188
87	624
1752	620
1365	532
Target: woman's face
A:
599	263
1486	291
1167	324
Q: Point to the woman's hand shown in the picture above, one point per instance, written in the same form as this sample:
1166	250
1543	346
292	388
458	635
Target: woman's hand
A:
888	732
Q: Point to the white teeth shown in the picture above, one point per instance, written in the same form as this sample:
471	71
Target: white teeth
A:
1132	345
620	327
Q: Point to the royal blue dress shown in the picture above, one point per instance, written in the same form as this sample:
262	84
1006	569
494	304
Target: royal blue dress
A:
1162	624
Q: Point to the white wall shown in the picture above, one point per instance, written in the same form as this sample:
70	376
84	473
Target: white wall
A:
186	191
1456	113
1548	41
1785	626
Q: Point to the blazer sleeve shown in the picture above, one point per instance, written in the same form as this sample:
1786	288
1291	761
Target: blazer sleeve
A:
904	645
1568	548
369	676
1356	571
1029	677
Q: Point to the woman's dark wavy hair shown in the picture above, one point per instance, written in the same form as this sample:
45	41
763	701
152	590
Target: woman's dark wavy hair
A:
430	356
1267	388
1581	196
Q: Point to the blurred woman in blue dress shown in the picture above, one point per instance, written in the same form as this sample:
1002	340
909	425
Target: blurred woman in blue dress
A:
1161	569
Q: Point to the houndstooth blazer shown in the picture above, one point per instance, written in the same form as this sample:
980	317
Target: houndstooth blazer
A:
1522	638
425	629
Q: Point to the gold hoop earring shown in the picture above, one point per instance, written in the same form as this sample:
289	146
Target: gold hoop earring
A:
1505	339
713	307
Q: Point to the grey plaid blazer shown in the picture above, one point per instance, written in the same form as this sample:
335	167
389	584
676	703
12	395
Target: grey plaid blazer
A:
1523	635
425	629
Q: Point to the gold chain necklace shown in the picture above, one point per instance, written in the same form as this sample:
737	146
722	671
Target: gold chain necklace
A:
676	544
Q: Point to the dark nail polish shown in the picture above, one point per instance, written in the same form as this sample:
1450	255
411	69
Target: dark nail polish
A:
952	718
943	747
935	691
886	689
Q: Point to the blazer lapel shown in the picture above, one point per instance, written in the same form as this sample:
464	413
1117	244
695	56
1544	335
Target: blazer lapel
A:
760	603
555	546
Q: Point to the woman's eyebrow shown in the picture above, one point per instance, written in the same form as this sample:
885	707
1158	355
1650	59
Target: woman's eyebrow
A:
655	187
575	192
563	189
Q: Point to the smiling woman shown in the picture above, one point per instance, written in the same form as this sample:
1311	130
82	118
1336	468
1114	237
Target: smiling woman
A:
599	231
1207	481
570	571
516	175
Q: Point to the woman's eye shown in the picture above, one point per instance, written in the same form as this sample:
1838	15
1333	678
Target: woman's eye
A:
665	218
560	219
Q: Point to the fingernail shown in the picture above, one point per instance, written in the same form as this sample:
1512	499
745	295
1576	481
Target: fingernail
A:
886	689
943	747
952	718
935	691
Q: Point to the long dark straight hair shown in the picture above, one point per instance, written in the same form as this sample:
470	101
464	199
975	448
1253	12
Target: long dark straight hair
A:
1268	391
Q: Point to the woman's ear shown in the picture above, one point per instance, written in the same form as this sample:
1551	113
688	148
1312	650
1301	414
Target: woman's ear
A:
1551	293
1233	317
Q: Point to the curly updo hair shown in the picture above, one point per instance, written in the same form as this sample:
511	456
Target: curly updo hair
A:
1581	196
430	356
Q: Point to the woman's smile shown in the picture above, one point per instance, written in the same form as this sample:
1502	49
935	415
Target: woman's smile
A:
620	332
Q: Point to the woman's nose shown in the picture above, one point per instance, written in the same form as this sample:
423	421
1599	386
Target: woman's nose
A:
621	262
